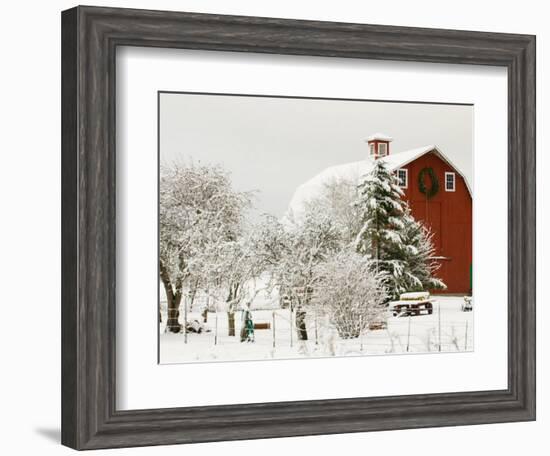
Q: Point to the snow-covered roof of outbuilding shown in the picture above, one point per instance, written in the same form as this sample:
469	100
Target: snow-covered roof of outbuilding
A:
353	172
379	137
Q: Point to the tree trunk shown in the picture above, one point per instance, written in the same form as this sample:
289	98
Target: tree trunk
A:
172	322
193	294
300	318
173	296
301	324
231	322
206	307
233	291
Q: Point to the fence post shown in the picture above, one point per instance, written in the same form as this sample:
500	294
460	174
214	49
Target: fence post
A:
291	330
216	328
185	317
409	333
291	335
439	322
466	337
273	315
361	333
316	330
207	306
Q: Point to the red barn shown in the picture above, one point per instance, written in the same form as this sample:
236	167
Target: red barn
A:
439	196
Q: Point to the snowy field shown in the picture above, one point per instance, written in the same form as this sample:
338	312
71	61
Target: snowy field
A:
448	329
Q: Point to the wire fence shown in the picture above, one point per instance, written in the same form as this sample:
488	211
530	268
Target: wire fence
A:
278	328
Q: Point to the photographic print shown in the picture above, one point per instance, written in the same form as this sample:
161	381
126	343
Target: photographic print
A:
294	227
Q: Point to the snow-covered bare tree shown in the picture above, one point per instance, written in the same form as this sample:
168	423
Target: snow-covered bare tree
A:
199	210
337	199
270	242
298	249
350	292
399	246
230	271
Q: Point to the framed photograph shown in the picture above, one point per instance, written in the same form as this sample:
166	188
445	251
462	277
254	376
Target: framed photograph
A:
281	228
327	261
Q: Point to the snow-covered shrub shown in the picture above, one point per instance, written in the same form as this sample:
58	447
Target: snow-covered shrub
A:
350	292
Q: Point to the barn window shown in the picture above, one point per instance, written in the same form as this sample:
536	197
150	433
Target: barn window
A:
382	149
450	179
403	177
371	149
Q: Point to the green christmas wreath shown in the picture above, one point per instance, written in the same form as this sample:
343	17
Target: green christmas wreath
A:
434	187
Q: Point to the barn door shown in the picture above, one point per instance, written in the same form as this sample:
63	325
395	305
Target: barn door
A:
429	213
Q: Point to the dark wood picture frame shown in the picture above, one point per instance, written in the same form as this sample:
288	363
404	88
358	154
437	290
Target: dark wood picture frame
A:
90	36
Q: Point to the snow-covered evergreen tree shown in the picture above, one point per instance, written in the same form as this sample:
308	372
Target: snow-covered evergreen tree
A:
400	247
417	252
381	210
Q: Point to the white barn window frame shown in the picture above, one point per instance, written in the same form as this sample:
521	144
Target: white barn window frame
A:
450	181
371	149
403	177
382	149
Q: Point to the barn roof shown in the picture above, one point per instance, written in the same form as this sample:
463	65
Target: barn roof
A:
354	170
379	137
404	158
401	159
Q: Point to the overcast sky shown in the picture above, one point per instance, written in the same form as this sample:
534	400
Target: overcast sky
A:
275	144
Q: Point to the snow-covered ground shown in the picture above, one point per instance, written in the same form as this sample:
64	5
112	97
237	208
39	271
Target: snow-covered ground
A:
418	334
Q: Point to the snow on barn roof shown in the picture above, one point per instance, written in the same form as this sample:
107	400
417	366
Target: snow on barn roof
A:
353	172
379	137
